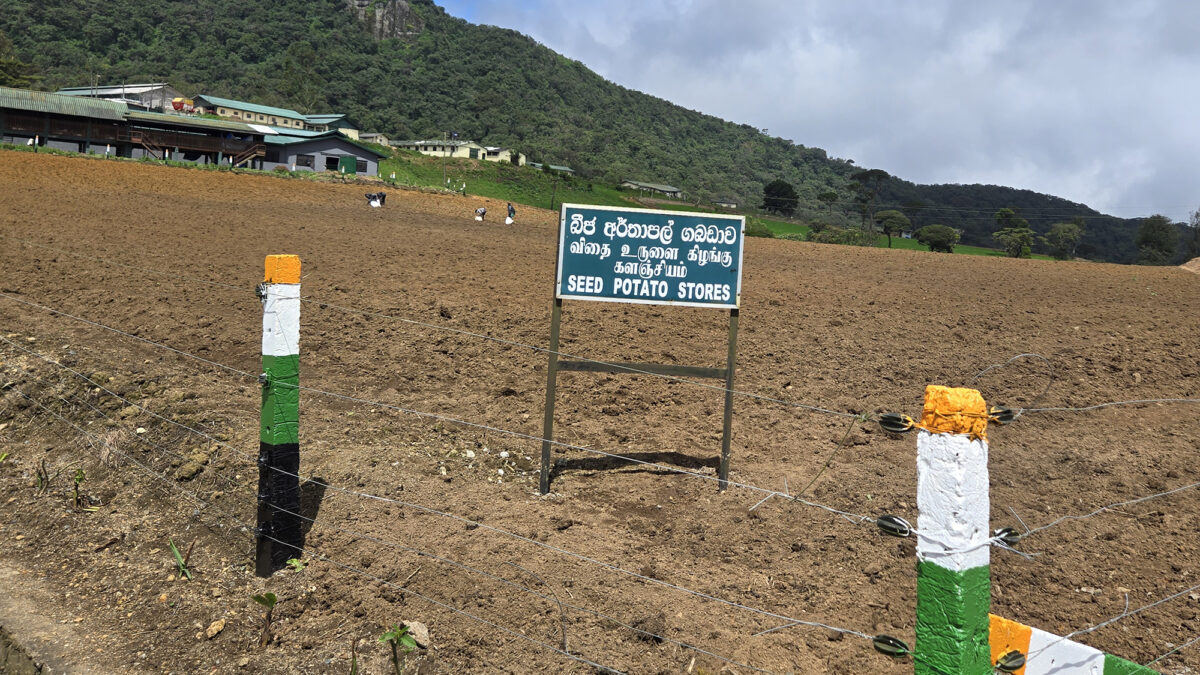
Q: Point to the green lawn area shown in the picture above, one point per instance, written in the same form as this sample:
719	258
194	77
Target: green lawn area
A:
499	180
779	227
914	245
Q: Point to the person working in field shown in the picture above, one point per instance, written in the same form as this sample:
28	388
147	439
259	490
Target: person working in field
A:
480	212
512	213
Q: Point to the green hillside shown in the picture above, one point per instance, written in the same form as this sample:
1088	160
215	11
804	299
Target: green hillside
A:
441	74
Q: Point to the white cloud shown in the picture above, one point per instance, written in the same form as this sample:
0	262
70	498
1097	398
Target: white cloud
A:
1090	100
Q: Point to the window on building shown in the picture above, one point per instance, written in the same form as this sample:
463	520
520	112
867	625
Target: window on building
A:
331	163
474	153
305	161
360	165
222	111
262	118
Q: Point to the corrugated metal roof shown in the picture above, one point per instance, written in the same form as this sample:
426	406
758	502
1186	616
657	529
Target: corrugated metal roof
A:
189	121
58	104
293	140
456	144
251	107
299	133
324	119
113	89
537	165
653	186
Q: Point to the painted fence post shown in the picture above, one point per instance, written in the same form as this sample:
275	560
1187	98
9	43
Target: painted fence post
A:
1048	654
278	531
953	546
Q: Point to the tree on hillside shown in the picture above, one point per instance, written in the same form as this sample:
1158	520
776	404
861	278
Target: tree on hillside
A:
938	237
828	198
1014	234
299	78
912	207
892	222
1191	238
1156	241
779	196
14	72
1062	239
866	186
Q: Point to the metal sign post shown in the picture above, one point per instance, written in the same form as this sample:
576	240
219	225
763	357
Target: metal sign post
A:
645	256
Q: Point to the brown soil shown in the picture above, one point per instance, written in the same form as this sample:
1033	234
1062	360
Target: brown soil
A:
1192	265
853	330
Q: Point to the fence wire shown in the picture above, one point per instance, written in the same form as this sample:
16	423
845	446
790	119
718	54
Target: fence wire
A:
247	529
432	511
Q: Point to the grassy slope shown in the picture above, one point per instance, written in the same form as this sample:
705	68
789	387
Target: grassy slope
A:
530	187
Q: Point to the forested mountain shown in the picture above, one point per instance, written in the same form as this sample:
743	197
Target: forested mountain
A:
412	71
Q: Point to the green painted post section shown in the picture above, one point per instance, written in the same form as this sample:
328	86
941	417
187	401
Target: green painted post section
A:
281	400
952	620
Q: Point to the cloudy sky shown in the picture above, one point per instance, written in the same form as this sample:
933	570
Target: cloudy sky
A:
1097	101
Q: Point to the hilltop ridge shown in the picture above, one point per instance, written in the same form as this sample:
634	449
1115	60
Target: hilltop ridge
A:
409	69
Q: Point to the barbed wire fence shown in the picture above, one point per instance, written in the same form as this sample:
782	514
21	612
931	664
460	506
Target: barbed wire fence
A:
769	493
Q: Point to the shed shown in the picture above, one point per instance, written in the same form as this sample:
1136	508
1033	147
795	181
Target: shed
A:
552	167
656	188
327	151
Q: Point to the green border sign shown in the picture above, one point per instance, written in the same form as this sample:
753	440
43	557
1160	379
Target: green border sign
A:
648	256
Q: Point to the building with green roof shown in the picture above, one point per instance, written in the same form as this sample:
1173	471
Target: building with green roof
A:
92	125
253	113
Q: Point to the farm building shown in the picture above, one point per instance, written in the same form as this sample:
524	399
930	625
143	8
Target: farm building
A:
254	113
461	150
325	151
458	149
155	96
553	167
89	125
373	137
495	154
726	203
656	188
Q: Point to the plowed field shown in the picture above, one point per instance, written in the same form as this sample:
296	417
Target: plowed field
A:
437	319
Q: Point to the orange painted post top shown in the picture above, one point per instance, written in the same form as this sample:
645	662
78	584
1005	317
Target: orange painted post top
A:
282	269
950	410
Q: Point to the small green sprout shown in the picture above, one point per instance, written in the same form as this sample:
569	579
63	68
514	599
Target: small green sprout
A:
180	560
267	600
296	564
401	642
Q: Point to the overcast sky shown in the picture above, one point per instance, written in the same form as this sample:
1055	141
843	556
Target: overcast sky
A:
1097	101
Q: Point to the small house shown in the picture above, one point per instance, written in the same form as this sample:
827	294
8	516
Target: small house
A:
496	154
